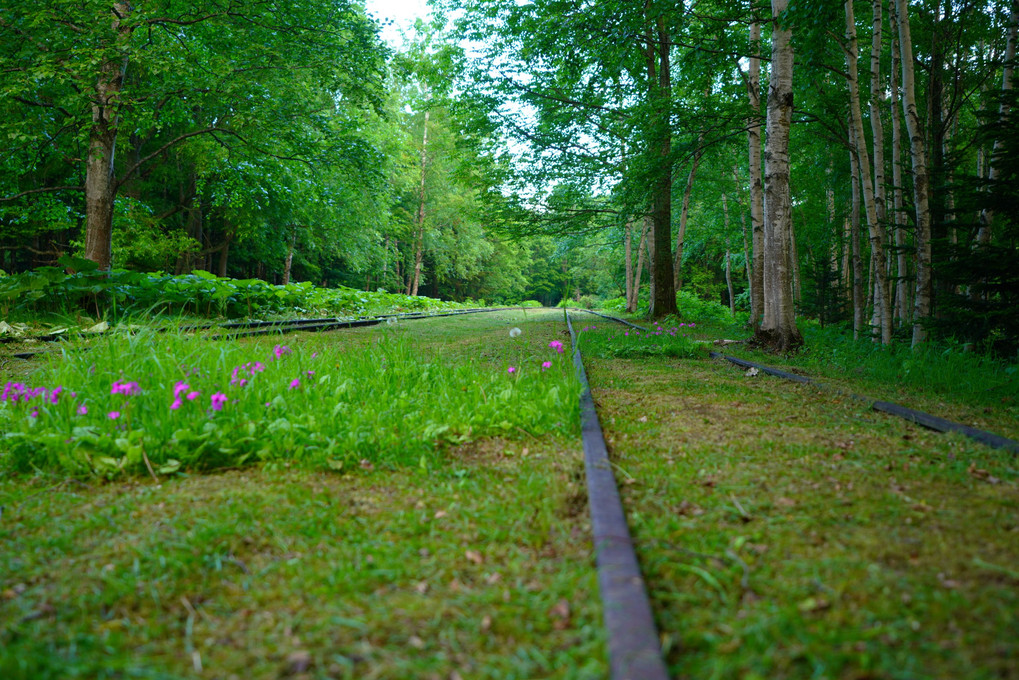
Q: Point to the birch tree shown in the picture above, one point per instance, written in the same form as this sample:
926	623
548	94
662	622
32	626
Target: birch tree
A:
778	327
921	187
882	309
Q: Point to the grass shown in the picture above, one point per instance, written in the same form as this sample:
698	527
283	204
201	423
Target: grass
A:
478	566
194	405
789	532
784	531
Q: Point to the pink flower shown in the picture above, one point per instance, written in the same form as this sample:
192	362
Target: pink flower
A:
180	388
55	394
511	370
218	399
191	396
311	372
113	415
34	413
546	364
243	382
556	345
177	403
295	383
82	410
125	388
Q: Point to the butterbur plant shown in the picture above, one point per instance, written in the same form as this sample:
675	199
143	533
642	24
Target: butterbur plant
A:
157	399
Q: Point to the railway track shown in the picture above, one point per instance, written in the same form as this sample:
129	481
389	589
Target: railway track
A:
927	420
242	329
632	635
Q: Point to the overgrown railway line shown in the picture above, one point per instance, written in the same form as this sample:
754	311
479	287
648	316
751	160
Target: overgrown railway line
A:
632	636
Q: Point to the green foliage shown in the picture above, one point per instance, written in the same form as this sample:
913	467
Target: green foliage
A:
664	340
936	367
229	404
119	293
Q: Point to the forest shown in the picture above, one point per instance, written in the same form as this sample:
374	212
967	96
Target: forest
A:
852	163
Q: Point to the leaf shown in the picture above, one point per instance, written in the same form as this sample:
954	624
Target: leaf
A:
169	467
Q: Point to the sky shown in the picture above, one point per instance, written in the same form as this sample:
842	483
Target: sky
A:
401	12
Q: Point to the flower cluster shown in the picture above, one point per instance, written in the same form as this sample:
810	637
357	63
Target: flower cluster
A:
251	368
15	392
557	346
126	388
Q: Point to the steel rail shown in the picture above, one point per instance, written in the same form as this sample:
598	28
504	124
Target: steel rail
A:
634	649
296	325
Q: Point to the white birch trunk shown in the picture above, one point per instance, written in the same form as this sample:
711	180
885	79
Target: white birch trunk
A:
921	187
778	328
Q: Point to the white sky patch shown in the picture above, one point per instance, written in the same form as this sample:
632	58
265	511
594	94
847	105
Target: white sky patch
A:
396	16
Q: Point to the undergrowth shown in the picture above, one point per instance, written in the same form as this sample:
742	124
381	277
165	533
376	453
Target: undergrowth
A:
155	404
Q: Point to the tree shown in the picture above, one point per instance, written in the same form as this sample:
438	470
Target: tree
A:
165	73
778	326
921	187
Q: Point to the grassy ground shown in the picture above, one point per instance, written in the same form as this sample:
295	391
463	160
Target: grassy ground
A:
479	567
784	532
789	532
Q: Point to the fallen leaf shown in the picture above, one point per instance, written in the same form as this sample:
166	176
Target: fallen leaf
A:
298	662
784	502
561	613
486	624
367	464
688	508
421	587
440	514
416	642
474	557
813	604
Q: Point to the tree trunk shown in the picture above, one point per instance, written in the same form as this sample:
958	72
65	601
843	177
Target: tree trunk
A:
778	328
419	242
290	255
898	204
663	299
100	187
224	254
677	262
728	257
921	188
856	261
746	244
756	184
794	259
987	214
632	303
882	310
628	256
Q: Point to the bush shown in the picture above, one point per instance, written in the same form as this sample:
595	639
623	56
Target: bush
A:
118	293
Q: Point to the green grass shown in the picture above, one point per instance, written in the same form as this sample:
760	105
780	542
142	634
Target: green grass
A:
478	566
309	401
788	532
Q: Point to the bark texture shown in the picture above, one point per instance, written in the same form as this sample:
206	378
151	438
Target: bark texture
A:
100	186
879	274
921	186
756	183
778	328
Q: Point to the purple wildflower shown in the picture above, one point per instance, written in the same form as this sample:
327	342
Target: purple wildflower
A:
218	399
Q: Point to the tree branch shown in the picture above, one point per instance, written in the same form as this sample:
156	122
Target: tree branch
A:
40	191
